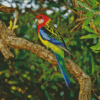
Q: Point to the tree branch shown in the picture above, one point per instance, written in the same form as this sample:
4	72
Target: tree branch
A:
4	50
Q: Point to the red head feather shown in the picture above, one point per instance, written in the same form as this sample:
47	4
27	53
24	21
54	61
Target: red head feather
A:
45	20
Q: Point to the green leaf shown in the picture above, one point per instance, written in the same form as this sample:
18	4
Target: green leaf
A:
55	76
54	5
89	36
28	77
24	75
83	4
47	94
96	48
54	87
98	79
26	72
86	21
93	1
72	80
7	74
96	20
80	8
89	29
14	82
95	51
42	87
29	96
89	1
98	26
89	14
13	87
32	67
94	8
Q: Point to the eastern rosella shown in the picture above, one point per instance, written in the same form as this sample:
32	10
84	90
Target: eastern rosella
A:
53	40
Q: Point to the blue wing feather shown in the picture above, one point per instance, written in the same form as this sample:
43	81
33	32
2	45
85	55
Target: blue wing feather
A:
45	36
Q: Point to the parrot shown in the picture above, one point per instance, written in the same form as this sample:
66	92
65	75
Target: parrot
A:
52	39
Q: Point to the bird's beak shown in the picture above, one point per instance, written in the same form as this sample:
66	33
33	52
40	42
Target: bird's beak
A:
36	20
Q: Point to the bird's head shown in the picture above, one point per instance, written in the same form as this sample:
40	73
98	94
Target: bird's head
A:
42	20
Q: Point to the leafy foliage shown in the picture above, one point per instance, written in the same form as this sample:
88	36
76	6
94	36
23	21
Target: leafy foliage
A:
91	15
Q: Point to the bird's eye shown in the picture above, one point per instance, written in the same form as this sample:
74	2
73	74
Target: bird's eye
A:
40	17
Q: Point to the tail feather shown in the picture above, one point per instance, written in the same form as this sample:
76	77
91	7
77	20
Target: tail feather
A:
65	50
63	69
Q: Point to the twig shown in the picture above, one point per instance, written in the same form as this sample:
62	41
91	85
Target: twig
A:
16	17
80	19
72	10
73	35
55	68
94	90
88	3
75	27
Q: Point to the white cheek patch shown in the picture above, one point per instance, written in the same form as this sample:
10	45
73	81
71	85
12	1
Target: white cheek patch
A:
40	21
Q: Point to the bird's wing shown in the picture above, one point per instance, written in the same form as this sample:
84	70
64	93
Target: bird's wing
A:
54	33
53	36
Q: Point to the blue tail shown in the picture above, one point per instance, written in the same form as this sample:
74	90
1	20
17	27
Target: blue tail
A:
61	63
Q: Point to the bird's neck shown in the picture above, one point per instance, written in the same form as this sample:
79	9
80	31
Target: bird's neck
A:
43	24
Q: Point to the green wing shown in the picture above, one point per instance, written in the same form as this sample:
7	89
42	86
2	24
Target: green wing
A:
54	33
